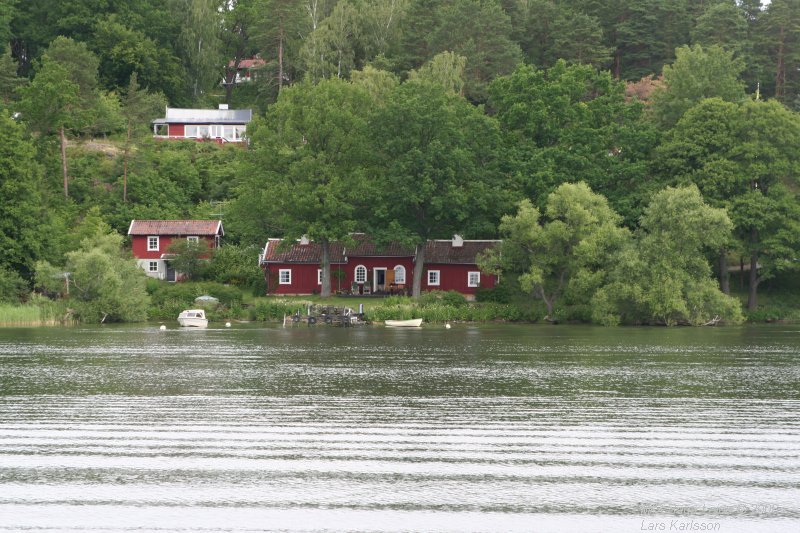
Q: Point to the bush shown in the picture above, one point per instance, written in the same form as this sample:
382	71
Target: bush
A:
450	298
12	287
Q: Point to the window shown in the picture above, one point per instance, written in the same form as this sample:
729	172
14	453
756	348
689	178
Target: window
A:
473	279
193	238
285	276
319	276
433	277
152	244
161	130
152	266
399	274
190	131
361	274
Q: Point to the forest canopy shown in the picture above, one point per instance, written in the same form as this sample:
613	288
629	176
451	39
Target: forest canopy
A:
416	119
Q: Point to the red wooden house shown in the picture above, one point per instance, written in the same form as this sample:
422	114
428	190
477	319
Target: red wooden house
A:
247	70
221	125
150	240
365	267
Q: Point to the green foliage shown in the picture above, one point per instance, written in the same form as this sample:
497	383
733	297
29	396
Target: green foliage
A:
571	123
12	287
169	299
104	285
565	255
697	73
237	265
21	210
190	258
447	298
663	277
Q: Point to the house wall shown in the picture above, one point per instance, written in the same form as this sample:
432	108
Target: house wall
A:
375	262
140	251
454	278
304	278
176	130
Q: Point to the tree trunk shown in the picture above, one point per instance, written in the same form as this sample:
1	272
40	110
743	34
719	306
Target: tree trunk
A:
752	292
280	59
780	70
64	160
125	166
419	267
325	264
724	278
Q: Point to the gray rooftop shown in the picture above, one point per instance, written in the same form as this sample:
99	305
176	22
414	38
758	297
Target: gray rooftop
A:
206	116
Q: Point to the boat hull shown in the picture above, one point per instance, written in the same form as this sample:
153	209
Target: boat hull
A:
413	323
193	318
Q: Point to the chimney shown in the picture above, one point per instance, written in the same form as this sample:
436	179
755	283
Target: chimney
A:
304	240
223	106
458	241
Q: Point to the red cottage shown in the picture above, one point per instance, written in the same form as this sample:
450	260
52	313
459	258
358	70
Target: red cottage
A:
363	267
247	70
221	125
151	238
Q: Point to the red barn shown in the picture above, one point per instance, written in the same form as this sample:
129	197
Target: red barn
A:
364	267
221	125
150	240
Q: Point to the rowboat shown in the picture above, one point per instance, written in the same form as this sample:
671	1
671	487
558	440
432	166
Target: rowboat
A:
193	318
413	323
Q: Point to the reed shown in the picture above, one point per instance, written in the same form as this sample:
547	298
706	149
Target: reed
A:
33	314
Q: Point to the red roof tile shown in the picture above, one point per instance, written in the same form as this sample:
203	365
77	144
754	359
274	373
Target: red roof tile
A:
443	252
365	246
176	227
300	253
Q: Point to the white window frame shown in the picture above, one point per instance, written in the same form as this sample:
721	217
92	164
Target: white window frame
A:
434	278
151	264
150	247
190	127
288	279
470	275
193	238
401	279
319	276
360	274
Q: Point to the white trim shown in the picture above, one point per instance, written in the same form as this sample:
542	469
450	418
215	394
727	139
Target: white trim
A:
375	276
438	278
193	238
319	276
355	274
403	269
469	278
281	271
150	266
158	243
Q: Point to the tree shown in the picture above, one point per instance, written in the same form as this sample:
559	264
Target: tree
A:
63	94
435	172
189	258
139	107
123	51
780	25
198	42
446	68
21	212
9	81
741	156
104	284
566	254
697	73
663	277
722	24
478	30
308	167
572	122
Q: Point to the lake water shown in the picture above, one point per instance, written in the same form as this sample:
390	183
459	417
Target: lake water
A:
490	428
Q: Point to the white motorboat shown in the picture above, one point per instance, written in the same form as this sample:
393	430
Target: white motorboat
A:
193	318
413	323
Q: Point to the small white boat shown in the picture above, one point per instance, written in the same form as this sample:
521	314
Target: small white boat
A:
193	318
413	323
